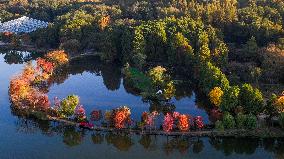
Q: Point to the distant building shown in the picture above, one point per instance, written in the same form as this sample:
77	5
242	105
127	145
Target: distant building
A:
22	25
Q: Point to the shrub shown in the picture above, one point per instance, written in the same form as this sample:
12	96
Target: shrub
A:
219	125
251	121
240	120
215	96
228	121
251	99
68	105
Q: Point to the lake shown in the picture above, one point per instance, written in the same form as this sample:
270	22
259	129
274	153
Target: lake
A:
101	87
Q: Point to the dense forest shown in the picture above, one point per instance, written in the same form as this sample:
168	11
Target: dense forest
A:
242	37
233	47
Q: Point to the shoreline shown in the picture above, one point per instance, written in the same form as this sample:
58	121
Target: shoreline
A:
8	46
238	133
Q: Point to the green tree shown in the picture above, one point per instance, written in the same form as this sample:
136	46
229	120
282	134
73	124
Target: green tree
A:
230	99
68	105
251	99
211	76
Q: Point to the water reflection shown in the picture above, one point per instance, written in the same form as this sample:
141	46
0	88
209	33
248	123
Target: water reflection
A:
230	146
19	57
146	141
97	138
182	144
112	78
121	141
111	73
72	137
161	107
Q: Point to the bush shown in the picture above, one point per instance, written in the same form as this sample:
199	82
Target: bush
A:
68	105
240	120
228	121
219	125
251	121
251	99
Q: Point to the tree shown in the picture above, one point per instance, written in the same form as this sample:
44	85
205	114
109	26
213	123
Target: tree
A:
180	51
211	76
230	99
250	49
251	99
215	96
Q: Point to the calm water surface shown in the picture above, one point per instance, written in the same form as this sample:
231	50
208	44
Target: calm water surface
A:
102	87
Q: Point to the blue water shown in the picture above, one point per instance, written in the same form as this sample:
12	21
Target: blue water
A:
100	88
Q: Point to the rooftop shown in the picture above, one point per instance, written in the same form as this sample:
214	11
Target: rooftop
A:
22	25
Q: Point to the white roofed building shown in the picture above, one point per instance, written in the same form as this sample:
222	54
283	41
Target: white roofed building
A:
22	25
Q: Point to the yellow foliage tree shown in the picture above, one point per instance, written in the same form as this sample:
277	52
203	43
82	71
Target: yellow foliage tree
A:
104	22
279	104
215	96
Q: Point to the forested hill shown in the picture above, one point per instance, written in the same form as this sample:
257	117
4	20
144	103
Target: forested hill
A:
244	38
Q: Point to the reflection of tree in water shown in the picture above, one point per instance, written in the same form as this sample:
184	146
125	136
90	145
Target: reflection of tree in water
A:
28	126
72	137
203	102
145	141
279	149
161	107
148	142
97	138
121	141
129	88
19	57
235	145
183	90
269	144
182	144
198	146
111	74
275	146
